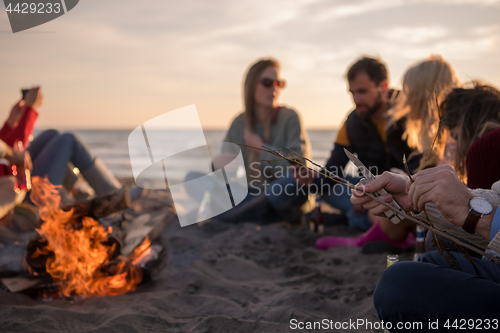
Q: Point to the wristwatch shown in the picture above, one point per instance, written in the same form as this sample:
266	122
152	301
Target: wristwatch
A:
478	208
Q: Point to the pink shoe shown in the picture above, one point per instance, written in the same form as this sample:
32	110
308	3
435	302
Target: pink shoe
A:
374	234
324	243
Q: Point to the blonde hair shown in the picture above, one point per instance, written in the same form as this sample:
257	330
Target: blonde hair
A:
425	86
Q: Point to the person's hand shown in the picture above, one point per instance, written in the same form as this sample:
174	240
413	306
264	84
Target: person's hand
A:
303	175
26	163
441	186
359	209
395	184
21	159
34	98
253	140
15	113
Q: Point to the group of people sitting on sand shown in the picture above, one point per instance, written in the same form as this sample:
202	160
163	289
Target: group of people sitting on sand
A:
449	134
450	137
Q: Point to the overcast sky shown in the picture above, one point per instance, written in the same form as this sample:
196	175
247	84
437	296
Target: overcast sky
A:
118	63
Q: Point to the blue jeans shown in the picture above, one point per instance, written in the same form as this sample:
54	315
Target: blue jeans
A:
260	212
51	152
338	196
430	292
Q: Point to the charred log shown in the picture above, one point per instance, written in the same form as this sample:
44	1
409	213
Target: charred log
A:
37	255
102	206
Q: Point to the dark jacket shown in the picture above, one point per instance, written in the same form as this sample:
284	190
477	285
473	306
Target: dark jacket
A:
371	150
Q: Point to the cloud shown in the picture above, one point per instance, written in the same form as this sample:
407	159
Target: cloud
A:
415	42
120	56
467	2
415	34
354	8
486	30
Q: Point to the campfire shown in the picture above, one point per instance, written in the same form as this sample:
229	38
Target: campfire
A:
76	255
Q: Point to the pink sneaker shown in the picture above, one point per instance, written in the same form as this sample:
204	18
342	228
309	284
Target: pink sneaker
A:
374	234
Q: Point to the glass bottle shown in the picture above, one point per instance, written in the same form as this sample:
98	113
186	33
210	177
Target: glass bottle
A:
391	260
316	221
23	178
420	242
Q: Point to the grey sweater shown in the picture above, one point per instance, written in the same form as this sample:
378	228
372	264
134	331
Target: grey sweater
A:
287	132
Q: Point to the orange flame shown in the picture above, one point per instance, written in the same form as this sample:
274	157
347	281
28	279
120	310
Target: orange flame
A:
81	262
141	251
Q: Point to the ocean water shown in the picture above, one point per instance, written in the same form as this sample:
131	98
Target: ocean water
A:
111	146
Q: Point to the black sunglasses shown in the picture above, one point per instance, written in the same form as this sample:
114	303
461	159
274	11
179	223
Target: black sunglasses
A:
269	83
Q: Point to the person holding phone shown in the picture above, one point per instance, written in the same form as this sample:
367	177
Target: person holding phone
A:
17	129
20	124
47	155
22	117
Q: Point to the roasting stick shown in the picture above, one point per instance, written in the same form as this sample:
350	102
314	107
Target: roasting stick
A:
396	209
393	217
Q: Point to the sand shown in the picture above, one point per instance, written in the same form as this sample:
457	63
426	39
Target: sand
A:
221	277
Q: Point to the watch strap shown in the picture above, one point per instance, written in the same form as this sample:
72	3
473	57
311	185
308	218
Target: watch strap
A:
471	221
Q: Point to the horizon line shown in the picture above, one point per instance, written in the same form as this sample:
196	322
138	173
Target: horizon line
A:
312	128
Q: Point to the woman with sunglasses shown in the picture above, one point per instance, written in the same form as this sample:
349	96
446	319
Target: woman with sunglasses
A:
264	123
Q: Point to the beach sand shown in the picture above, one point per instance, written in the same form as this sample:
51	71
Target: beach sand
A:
221	277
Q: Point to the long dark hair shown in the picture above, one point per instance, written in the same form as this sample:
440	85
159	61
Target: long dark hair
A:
251	81
475	112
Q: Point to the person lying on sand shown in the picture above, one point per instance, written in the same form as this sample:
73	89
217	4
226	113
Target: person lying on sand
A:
47	155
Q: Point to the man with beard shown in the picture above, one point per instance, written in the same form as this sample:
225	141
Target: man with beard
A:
365	133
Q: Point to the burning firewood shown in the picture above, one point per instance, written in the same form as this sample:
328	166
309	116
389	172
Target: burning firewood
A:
76	255
102	206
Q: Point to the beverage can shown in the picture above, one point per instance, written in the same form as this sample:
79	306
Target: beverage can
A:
392	259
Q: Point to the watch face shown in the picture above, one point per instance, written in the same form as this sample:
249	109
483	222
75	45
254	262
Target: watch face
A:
480	205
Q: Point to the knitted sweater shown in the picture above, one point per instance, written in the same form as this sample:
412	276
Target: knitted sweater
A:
493	196
287	131
482	162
